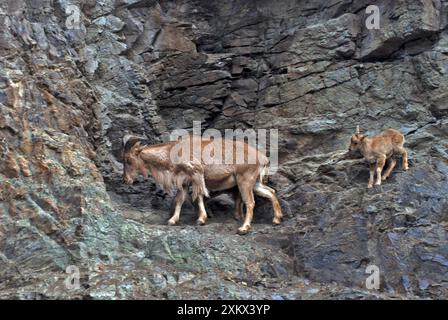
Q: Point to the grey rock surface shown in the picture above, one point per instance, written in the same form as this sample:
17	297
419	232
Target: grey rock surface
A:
311	69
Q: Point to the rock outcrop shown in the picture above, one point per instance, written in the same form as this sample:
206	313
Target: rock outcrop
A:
70	88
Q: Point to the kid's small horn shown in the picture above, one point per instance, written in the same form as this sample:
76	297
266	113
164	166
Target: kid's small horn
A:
357	129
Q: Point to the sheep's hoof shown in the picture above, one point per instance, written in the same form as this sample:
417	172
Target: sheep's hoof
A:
200	222
172	222
277	220
243	230
383	178
369	186
406	168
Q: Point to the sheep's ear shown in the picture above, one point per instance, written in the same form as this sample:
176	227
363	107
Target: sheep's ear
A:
138	147
357	130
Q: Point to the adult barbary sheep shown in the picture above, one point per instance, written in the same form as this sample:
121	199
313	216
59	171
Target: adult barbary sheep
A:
377	150
171	167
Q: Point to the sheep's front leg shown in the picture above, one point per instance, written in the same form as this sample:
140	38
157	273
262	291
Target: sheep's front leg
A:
202	213
372	175
379	169
180	198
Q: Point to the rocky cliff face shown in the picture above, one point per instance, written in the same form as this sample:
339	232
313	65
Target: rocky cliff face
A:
70	89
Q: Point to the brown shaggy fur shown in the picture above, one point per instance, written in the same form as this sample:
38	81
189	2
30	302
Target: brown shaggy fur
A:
377	150
211	165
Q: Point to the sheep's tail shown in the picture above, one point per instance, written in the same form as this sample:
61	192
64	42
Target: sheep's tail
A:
264	169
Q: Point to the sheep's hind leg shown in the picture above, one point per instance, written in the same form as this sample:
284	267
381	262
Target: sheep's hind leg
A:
390	167
238	214
404	154
246	190
269	193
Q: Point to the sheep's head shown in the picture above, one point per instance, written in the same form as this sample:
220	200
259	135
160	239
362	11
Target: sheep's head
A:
131	158
356	141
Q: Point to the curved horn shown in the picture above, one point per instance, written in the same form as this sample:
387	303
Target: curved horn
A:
129	136
126	138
